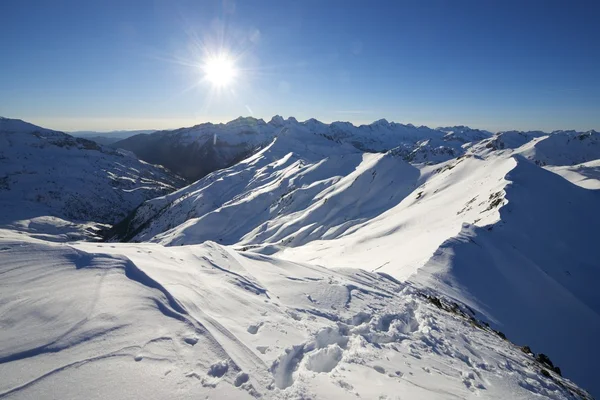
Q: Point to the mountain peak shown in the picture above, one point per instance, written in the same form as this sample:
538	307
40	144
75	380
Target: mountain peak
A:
277	120
245	121
381	122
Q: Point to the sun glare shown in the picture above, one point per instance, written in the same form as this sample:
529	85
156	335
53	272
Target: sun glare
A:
219	70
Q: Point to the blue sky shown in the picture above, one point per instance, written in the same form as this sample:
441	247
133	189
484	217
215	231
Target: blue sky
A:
103	65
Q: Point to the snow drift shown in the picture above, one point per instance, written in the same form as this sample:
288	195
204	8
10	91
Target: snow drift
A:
148	321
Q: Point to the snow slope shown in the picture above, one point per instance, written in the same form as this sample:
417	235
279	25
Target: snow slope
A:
541	248
342	208
146	321
564	148
314	269
48	179
540	254
586	175
276	193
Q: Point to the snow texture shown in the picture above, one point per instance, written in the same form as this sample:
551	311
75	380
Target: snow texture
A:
383	261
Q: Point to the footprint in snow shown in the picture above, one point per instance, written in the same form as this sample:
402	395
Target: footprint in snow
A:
191	340
253	329
379	369
240	379
262	349
218	369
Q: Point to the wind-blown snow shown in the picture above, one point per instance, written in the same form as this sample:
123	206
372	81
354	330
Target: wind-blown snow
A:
142	320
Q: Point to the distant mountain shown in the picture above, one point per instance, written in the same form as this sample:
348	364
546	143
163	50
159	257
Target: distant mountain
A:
110	137
104	140
565	148
197	151
194	152
46	173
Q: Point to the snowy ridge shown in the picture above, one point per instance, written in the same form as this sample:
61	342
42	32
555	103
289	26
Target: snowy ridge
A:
222	145
239	326
586	175
290	189
378	212
455	265
49	178
528	255
565	148
505	234
9	125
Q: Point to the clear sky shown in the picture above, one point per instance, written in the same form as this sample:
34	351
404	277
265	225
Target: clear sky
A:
128	64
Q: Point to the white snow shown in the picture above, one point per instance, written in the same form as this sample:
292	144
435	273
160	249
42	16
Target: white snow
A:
586	175
313	269
142	320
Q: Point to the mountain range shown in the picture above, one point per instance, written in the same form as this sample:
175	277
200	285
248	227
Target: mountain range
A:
194	152
302	260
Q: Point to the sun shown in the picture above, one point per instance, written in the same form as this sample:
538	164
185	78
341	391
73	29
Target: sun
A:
220	70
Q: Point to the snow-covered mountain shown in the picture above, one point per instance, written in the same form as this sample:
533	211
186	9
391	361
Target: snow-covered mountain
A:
331	261
302	199
195	152
586	174
559	148
49	178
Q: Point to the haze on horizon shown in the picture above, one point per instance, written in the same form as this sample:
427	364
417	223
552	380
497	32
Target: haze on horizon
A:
114	65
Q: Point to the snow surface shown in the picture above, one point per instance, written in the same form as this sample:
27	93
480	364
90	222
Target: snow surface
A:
343	208
154	322
314	269
586	175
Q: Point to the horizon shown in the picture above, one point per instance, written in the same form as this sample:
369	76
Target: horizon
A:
268	119
165	65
